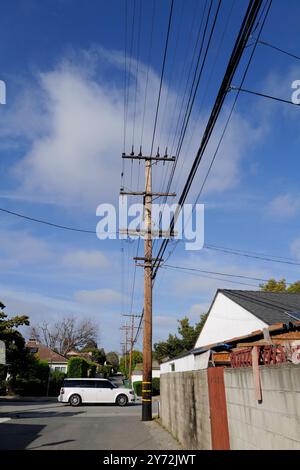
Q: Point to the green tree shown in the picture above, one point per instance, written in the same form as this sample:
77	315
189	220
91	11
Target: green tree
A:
175	345
98	356
137	358
113	359
17	356
280	286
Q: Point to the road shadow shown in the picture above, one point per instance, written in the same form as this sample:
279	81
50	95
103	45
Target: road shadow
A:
50	444
18	436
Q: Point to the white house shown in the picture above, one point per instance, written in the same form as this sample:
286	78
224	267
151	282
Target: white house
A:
235	313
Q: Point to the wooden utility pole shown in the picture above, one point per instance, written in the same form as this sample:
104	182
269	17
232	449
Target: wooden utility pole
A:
147	338
131	340
148	266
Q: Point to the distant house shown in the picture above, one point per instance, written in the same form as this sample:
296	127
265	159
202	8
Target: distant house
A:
85	355
56	361
137	373
233	314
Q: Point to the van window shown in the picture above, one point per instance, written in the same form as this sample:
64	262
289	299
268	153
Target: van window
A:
79	383
103	384
71	383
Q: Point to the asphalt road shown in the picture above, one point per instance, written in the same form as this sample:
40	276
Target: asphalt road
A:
50	425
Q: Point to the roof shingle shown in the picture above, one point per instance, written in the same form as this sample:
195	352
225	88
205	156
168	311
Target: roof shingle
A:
270	307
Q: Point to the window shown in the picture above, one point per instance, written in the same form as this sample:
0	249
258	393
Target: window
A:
103	384
172	367
71	383
87	383
33	350
79	383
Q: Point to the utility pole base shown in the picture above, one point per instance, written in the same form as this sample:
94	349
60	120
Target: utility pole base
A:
146	411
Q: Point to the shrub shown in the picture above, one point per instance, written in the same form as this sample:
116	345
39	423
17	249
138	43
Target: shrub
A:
34	381
56	381
78	367
92	369
155	386
137	387
106	371
29	387
3	371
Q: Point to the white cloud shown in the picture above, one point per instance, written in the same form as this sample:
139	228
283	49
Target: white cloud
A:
83	259
197	310
295	248
73	124
283	206
98	296
20	247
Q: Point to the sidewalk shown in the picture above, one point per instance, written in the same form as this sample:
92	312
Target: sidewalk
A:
13	398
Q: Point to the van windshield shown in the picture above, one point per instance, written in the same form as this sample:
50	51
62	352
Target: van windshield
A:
114	385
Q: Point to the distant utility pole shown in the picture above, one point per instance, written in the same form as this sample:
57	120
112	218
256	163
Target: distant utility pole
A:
131	340
125	343
148	266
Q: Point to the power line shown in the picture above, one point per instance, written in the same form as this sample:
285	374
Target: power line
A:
51	224
221	279
236	55
148	67
193	91
233	251
162	74
265	43
137	69
232	107
196	270
263	257
275	98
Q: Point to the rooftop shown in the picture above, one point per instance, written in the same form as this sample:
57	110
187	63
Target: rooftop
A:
270	307
45	353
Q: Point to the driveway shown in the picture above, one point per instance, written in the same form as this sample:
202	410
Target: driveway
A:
50	425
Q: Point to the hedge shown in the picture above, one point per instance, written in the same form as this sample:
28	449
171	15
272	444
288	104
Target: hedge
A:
78	367
137	387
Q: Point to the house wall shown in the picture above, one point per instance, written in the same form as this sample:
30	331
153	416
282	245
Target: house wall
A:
139	378
272	424
181	364
227	320
58	366
184	408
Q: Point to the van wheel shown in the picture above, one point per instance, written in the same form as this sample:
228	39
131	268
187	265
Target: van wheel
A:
75	400
122	400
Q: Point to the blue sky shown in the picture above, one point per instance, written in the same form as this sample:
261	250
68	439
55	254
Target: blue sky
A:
62	136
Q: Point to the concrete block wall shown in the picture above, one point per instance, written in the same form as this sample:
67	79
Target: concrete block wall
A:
185	408
272	424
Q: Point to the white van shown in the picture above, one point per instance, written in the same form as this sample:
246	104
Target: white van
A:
77	391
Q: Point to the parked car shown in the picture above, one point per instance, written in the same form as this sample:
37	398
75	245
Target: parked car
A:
77	391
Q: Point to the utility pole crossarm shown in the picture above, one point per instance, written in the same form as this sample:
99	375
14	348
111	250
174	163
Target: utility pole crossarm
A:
156	158
143	193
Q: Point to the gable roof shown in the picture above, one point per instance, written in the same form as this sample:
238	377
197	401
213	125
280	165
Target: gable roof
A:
45	353
270	307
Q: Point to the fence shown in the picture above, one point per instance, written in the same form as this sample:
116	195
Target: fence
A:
217	408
